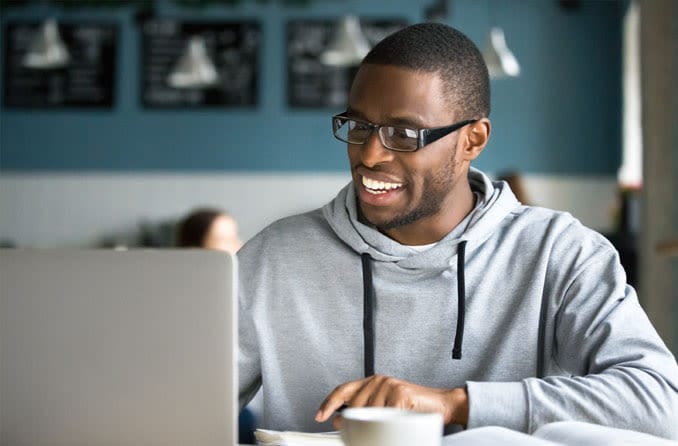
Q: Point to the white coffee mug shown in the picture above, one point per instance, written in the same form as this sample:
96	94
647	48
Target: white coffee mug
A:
387	426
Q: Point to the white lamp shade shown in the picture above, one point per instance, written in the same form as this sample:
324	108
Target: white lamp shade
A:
499	59
348	45
47	50
194	68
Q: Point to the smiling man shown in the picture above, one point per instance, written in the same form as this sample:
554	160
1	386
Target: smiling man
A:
425	285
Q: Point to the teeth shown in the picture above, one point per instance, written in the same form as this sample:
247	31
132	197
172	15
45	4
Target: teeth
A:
379	187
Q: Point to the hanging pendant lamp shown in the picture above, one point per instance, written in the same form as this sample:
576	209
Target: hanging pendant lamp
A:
194	68
47	50
348	45
499	59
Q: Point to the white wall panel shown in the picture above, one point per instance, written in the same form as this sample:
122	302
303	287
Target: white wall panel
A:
82	209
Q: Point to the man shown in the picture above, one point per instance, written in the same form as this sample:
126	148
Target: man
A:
424	285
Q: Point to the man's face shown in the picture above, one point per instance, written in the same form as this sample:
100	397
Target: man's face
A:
396	189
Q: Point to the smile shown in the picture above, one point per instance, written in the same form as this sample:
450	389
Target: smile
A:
379	187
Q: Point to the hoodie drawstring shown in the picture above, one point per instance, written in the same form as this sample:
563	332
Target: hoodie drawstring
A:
461	301
368	315
368	309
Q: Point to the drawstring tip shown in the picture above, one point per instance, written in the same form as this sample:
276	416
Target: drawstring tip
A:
456	354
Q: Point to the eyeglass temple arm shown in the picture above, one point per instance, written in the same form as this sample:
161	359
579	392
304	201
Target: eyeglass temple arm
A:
427	136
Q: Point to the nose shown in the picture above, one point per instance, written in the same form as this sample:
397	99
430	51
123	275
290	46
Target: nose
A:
373	151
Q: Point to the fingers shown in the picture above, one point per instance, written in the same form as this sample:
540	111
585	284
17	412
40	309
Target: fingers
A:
371	391
386	391
339	396
337	422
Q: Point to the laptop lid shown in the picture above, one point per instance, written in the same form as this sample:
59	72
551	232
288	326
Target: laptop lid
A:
102	347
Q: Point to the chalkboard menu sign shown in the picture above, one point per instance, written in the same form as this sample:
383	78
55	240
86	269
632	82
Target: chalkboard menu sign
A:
85	80
310	83
220	64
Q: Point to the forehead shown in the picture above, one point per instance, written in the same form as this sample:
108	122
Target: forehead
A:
384	93
223	223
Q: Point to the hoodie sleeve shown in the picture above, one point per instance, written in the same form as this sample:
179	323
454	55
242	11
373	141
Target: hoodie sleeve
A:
249	371
616	369
249	364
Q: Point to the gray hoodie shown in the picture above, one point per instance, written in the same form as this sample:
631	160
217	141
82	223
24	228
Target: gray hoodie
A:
549	329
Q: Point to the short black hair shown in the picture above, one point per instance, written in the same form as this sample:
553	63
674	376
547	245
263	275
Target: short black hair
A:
438	48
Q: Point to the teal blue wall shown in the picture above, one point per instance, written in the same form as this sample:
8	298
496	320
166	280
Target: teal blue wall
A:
561	116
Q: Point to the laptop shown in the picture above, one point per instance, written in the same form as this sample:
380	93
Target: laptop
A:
104	347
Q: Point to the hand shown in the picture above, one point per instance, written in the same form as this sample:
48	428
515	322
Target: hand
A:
385	391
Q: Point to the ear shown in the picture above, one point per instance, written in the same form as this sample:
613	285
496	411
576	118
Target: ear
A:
475	138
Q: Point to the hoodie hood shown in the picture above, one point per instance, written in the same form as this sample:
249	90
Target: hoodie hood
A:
495	202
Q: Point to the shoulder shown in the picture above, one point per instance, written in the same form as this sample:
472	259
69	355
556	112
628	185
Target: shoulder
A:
575	252
556	223
562	236
290	227
285	237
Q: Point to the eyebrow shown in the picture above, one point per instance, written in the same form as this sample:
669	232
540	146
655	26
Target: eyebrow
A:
396	121
354	113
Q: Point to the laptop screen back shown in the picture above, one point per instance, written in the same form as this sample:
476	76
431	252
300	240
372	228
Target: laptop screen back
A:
118	347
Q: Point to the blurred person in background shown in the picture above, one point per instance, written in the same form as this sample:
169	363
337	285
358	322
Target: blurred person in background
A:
209	228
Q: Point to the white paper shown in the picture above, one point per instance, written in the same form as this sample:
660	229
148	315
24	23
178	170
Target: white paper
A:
267	437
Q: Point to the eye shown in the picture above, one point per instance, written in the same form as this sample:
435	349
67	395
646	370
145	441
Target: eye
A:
359	126
358	131
399	133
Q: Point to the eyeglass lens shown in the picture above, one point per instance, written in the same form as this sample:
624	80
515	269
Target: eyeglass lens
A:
357	132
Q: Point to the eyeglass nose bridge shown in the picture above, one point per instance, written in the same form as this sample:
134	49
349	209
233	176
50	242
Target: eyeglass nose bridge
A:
383	146
376	128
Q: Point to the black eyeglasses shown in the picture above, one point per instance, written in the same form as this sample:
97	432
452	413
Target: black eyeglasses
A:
399	139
